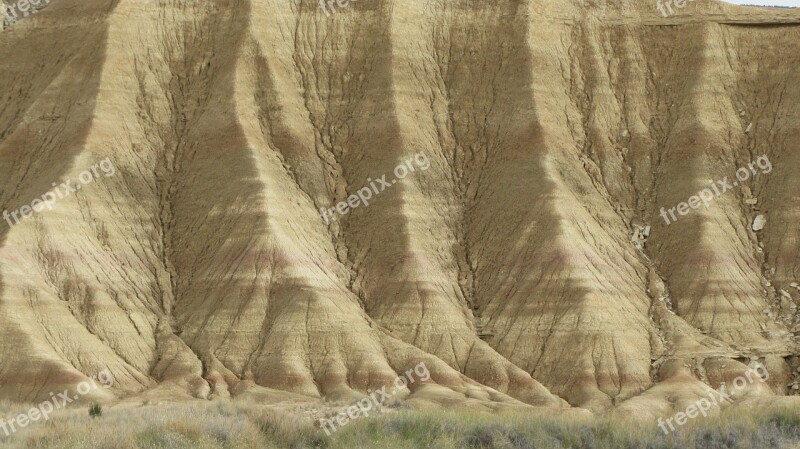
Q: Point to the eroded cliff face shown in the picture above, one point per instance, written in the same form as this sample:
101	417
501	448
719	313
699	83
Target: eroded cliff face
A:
529	261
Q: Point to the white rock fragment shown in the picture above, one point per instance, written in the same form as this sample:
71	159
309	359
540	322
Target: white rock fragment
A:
774	335
749	127
625	133
759	223
640	235
751	201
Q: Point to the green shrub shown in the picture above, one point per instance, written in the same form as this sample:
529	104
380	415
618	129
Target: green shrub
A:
95	411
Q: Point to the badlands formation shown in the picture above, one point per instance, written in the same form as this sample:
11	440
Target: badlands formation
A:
529	263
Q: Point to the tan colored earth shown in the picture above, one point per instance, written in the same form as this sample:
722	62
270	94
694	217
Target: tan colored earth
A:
528	263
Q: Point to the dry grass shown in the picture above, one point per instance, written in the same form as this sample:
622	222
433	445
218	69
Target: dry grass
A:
170	426
227	425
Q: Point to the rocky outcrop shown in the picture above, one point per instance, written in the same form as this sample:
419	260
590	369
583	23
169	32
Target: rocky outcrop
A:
549	132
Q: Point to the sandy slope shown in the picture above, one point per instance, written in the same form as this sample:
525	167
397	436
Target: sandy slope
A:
202	267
